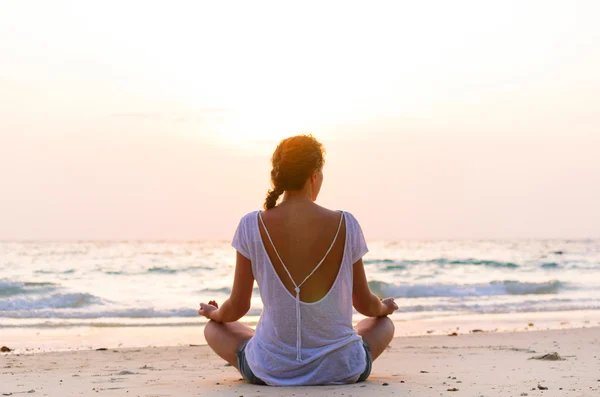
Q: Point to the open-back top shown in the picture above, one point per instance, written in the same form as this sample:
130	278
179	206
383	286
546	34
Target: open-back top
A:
296	342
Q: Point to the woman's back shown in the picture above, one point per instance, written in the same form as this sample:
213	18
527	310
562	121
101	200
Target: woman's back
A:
303	234
311	341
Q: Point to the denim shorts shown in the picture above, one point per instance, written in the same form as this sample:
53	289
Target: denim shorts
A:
253	379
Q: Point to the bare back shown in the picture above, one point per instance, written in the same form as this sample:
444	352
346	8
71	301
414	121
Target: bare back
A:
302	235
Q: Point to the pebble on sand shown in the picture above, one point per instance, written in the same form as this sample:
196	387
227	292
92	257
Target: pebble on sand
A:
548	357
5	349
542	387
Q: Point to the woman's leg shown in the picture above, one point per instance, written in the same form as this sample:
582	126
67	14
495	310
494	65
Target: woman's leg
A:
226	338
378	332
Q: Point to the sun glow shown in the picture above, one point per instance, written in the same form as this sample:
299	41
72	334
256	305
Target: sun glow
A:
265	124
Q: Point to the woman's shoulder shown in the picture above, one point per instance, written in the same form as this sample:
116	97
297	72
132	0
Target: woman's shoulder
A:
348	216
352	224
249	217
330	212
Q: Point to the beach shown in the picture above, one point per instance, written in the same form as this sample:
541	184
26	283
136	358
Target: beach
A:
468	364
137	302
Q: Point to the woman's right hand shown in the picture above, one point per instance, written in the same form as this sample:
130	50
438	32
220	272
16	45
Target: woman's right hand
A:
389	306
206	309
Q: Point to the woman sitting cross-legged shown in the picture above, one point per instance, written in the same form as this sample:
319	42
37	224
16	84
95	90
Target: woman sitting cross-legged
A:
307	261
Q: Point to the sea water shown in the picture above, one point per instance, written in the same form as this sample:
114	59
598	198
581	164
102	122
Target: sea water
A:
131	284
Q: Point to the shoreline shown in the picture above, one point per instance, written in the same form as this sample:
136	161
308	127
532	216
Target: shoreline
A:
78	338
475	364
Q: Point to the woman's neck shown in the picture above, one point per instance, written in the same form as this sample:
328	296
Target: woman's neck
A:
296	196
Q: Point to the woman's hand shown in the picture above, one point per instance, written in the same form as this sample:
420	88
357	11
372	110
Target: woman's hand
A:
207	309
389	306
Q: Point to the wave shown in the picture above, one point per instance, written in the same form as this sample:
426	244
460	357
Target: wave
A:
139	313
494	288
554	305
127	317
390	264
549	265
56	301
164	269
43	271
11	288
156	269
478	262
226	291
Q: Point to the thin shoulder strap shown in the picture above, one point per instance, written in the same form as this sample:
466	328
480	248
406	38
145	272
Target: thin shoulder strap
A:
275	249
327	253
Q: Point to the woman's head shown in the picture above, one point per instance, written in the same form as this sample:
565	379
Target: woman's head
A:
296	161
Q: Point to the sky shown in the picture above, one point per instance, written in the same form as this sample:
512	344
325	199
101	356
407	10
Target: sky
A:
442	120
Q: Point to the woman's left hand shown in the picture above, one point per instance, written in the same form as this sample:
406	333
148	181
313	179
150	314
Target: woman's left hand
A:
206	309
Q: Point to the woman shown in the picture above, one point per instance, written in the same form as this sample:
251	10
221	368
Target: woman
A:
307	261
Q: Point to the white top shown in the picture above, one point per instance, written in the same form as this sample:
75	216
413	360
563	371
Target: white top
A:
299	343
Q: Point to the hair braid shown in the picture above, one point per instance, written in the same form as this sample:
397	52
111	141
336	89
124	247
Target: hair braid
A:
272	197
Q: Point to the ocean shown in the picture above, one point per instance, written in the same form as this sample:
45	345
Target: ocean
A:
62	285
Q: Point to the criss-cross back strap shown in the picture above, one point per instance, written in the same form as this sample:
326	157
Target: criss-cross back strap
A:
297	286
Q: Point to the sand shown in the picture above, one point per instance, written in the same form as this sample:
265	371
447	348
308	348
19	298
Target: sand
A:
470	364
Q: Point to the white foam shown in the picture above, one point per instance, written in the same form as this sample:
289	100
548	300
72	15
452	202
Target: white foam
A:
139	313
56	301
494	288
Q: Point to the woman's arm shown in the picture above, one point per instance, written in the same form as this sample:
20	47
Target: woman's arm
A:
238	303
365	301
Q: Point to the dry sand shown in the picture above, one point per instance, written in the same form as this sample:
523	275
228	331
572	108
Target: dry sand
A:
474	364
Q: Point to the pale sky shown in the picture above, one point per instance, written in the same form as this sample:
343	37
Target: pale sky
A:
156	120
